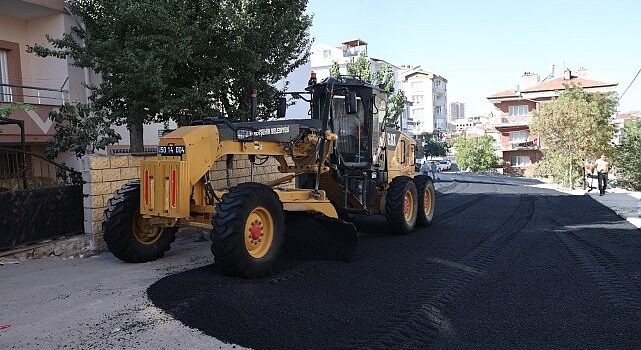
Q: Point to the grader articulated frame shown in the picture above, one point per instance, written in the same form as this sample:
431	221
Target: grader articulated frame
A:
344	160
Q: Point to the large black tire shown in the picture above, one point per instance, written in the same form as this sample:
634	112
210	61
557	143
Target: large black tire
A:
253	252
118	228
426	200
395	211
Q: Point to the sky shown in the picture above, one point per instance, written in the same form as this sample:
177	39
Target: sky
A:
482	47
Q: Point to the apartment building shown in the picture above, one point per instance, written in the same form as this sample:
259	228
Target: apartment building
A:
42	83
515	107
457	111
428	94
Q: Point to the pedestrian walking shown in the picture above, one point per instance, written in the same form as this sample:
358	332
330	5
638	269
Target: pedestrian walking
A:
602	168
433	170
425	169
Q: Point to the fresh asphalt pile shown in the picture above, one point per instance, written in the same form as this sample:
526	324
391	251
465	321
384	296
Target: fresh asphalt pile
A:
502	267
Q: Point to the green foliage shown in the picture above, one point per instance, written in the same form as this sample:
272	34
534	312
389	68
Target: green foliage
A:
396	107
360	68
628	158
335	70
79	130
574	127
384	78
184	60
476	154
7	109
433	144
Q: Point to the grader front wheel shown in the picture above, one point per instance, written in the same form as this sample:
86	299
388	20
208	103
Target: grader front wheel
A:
248	230
128	236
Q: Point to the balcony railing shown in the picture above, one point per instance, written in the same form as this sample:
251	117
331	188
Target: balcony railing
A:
523	145
33	94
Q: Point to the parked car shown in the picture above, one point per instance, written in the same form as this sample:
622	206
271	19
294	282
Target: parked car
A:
444	165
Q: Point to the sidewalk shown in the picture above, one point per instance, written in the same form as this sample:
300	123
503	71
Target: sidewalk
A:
623	202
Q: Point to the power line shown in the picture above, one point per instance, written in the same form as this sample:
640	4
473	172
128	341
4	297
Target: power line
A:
633	79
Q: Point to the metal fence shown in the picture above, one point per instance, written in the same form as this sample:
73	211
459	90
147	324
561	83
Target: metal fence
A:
33	94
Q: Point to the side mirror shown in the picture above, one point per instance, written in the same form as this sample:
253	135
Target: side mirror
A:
281	110
351	104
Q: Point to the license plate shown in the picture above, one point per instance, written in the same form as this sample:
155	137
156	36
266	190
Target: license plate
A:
171	150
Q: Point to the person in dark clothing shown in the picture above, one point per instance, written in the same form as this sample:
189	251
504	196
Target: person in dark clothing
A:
602	169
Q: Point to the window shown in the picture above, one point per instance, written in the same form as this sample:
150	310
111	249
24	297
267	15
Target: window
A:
438	110
5	91
353	139
417	113
417	98
520	161
417	86
518	110
519	136
327	53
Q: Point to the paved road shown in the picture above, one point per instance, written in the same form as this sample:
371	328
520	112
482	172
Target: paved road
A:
505	266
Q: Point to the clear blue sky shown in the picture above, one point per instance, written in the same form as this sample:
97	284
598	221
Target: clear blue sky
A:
482	47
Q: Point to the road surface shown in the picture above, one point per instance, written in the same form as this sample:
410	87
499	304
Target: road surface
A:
504	266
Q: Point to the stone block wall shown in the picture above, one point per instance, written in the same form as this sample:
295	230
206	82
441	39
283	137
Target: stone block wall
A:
103	175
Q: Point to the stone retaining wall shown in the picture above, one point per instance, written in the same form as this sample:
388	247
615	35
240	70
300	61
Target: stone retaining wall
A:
103	175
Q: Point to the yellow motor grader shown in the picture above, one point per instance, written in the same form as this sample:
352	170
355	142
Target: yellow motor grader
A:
344	160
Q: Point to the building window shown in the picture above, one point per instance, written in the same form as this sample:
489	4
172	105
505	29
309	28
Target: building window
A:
417	98
417	113
327	53
5	91
518	110
438	110
519	136
417	86
520	161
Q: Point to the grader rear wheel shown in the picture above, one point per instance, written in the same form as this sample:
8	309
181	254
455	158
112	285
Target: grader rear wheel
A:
128	236
426	199
401	205
248	231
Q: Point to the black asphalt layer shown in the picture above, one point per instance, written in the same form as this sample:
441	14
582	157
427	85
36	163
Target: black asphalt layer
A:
502	267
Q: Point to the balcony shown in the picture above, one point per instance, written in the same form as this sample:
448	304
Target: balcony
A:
38	126
33	95
522	145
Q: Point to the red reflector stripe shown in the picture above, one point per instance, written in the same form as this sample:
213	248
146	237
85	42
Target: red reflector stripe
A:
173	188
146	189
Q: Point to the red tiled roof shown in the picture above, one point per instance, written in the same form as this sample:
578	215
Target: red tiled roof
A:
506	93
560	83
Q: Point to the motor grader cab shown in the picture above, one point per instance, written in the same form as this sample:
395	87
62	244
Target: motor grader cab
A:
344	160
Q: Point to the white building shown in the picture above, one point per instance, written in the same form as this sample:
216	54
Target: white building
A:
323	56
297	81
428	94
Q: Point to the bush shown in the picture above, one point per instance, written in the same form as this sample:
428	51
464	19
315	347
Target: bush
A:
628	160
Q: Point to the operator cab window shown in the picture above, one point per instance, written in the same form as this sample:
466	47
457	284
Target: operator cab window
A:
352	140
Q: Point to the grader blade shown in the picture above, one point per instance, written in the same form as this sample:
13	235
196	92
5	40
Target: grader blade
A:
313	236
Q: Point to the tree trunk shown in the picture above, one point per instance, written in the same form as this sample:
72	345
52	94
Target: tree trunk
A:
571	173
136	144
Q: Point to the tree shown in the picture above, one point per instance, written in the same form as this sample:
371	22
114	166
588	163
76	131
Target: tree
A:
335	70
384	78
184	60
78	130
396	107
574	127
433	144
360	68
628	156
476	154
